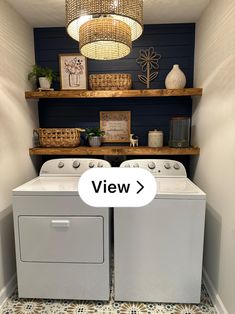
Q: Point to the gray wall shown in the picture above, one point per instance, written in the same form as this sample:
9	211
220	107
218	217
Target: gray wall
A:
17	119
214	132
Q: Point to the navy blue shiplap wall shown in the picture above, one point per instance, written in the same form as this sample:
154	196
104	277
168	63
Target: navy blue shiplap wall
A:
175	42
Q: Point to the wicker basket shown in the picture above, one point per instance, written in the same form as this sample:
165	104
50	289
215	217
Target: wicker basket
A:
59	137
116	81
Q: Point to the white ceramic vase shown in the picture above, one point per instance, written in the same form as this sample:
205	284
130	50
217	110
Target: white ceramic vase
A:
44	82
175	78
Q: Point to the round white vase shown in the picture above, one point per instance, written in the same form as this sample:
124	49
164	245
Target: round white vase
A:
175	78
44	82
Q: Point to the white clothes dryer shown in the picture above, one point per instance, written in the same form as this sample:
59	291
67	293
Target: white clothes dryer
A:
158	248
62	244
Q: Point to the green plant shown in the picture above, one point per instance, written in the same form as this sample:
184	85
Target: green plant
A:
94	132
38	71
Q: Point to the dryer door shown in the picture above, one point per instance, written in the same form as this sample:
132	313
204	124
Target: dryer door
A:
62	239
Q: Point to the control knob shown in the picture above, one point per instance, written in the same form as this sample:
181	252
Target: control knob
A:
176	166
100	165
167	165
91	165
151	165
60	164
136	166
127	166
76	164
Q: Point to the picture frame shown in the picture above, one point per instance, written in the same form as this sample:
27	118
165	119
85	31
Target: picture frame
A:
116	125
73	71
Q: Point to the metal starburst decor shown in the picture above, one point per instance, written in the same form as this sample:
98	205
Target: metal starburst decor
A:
148	60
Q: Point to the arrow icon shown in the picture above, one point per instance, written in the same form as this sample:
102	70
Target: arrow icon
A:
142	187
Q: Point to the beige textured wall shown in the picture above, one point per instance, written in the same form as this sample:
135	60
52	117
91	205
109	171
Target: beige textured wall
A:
17	119
214	132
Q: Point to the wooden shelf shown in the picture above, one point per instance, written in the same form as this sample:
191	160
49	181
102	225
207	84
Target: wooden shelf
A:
115	150
114	94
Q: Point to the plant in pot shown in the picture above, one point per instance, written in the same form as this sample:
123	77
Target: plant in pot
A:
43	75
94	136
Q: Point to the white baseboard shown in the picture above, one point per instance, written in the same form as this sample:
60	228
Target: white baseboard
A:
7	291
215	298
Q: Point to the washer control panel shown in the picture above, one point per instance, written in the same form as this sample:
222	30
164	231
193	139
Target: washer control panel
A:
158	167
71	167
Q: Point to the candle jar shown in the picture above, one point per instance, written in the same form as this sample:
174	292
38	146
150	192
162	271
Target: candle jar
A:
155	138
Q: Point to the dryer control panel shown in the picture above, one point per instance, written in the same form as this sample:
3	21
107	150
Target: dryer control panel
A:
71	166
158	167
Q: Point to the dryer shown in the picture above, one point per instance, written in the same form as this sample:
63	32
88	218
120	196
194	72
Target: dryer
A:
158	248
62	244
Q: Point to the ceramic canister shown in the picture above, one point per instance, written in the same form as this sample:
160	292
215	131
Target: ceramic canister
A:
155	138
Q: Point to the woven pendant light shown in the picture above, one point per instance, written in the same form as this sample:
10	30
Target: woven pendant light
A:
89	21
105	39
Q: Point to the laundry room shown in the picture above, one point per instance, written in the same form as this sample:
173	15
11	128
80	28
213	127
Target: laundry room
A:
116	194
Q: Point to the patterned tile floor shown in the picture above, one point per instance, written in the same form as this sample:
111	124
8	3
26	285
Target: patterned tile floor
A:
14	305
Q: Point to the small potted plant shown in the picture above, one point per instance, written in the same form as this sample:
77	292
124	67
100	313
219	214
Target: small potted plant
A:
43	75
94	136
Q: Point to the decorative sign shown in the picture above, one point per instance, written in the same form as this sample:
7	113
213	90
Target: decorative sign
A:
73	72
116	125
148	60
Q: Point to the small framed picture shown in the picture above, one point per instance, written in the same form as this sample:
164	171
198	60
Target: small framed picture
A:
73	71
116	125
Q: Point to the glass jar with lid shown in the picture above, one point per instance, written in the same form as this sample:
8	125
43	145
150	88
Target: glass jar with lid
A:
179	132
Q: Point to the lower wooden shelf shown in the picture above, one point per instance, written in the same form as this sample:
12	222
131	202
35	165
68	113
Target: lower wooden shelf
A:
114	150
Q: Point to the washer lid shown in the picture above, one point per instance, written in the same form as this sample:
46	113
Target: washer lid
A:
178	188
49	186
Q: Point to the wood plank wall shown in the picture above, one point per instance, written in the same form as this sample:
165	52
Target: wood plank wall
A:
175	43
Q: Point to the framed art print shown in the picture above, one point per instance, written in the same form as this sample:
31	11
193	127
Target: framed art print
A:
73	72
116	125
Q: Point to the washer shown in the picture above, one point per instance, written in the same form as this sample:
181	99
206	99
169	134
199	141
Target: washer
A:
62	244
158	248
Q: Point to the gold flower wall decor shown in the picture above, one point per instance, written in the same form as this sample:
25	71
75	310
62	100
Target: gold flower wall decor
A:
148	60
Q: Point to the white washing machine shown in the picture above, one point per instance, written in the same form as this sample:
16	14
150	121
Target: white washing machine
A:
158	248
62	244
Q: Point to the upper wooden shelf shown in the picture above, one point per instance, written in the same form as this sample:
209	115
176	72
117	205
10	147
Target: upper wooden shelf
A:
115	150
116	94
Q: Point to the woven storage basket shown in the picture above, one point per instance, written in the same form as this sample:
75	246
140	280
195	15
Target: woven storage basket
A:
59	137
115	81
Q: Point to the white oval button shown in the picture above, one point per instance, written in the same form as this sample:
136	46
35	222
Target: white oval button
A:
117	187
